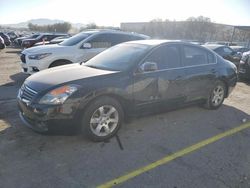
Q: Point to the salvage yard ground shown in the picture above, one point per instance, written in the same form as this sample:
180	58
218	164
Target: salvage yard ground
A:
29	160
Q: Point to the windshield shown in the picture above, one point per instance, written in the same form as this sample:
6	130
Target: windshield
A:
75	39
34	36
118	58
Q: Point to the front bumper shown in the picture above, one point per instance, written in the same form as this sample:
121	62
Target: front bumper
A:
41	117
29	69
35	125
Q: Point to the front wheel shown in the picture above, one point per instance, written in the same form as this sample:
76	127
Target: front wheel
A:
217	95
102	119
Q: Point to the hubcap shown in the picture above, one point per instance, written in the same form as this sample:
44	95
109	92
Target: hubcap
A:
104	120
218	95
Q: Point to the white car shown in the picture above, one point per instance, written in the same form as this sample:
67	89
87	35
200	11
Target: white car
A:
79	48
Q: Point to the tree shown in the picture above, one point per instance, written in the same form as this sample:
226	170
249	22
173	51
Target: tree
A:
58	27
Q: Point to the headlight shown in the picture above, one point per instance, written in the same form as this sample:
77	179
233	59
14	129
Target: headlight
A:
39	56
58	95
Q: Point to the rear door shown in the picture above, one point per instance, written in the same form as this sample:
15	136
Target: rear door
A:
166	85
201	71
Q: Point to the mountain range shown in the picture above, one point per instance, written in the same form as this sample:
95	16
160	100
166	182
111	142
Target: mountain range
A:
41	21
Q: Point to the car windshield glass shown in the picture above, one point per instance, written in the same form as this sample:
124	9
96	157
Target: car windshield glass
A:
75	39
34	36
118	58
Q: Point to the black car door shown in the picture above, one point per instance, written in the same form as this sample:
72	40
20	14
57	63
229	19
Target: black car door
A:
201	71
164	85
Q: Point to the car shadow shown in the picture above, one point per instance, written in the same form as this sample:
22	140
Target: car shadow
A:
9	114
14	52
19	78
9	90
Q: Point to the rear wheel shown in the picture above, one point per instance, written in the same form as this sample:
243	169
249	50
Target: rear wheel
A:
216	96
102	119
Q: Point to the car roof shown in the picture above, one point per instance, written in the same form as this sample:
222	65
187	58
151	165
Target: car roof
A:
156	42
92	31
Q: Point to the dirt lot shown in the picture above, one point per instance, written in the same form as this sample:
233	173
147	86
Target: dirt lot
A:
28	159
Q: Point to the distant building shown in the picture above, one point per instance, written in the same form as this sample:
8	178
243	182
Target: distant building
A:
190	30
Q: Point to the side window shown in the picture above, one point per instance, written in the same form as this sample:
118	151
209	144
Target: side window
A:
50	37
101	41
166	57
119	38
137	38
107	40
44	38
210	57
194	56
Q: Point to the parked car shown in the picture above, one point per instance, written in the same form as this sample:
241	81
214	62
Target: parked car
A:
12	35
240	49
226	43
53	41
129	78
244	67
27	43
80	47
18	41
226	52
2	45
6	38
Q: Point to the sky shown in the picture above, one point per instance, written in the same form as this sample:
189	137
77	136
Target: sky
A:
113	12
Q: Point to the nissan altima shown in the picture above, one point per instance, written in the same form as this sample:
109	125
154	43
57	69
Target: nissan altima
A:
122	81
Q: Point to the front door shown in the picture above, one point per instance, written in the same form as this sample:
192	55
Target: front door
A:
166	85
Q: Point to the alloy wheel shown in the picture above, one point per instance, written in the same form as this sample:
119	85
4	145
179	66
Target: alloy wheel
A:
104	120
218	95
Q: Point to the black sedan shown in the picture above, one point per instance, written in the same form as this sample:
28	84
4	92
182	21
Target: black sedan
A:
129	78
226	52
244	67
240	49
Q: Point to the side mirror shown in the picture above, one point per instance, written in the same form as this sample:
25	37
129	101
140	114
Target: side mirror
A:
86	46
149	67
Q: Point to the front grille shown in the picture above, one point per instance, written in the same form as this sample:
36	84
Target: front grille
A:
26	93
22	57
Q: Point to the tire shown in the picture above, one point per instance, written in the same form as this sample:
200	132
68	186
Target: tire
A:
59	63
102	119
216	96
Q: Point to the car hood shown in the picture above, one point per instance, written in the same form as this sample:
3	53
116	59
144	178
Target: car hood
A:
42	48
52	77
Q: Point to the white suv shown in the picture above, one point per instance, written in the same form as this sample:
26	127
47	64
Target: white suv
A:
79	48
